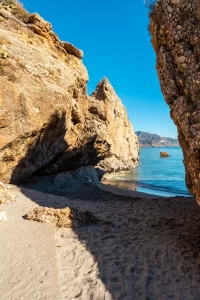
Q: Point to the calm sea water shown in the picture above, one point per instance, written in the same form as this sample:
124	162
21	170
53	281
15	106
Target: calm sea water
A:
161	176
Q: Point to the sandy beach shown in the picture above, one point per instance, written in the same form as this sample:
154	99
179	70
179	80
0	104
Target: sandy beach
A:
150	249
100	150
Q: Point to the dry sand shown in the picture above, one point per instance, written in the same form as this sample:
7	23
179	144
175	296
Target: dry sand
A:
150	251
27	255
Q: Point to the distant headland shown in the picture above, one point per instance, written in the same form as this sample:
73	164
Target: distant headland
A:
147	139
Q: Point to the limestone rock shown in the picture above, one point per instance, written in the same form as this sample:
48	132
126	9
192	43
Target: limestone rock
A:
48	123
164	154
175	1
109	141
178	56
62	179
66	217
37	85
6	195
71	49
88	174
38	20
85	174
109	119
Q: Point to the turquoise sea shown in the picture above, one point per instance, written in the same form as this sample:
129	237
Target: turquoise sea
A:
155	175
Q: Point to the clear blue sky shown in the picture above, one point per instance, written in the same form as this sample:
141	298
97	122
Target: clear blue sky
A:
113	35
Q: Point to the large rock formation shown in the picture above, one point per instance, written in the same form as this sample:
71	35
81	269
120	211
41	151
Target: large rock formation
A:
175	26
47	121
107	139
108	117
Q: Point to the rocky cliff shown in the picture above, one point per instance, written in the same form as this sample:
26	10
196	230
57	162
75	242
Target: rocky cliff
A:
175	26
47	122
147	139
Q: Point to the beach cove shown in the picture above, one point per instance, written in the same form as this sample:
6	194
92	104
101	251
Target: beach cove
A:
148	251
85	211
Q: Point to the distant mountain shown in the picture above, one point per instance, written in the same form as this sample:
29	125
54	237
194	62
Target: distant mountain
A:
147	139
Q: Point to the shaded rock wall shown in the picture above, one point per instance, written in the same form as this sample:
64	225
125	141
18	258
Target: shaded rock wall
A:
175	26
47	121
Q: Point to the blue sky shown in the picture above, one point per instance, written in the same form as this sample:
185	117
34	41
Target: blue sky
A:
113	35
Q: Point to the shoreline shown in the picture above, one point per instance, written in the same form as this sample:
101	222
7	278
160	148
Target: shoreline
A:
118	190
161	147
154	175
136	189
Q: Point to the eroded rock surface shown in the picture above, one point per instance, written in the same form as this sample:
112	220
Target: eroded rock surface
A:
47	121
107	139
66	217
6	195
164	154
85	174
108	117
175	29
38	82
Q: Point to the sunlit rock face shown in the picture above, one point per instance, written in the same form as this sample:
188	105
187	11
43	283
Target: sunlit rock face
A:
47	121
107	139
175	26
108	117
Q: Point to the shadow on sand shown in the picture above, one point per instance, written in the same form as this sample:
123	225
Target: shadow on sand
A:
150	250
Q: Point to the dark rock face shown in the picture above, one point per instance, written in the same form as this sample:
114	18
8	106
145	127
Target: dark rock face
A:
85	174
175	26
39	148
89	151
48	124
